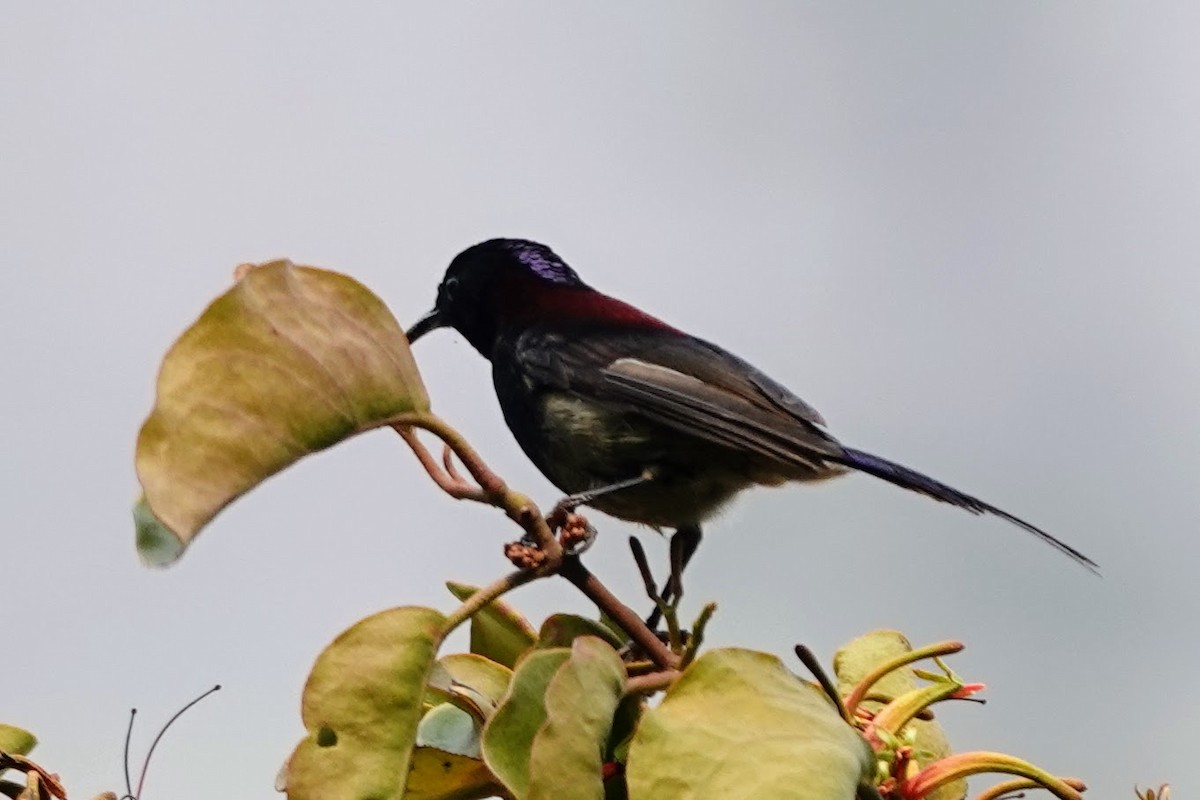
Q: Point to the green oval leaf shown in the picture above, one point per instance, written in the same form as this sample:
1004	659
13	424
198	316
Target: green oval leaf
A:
479	673
289	361
442	688
561	630
362	705
508	735
568	751
16	741
737	724
498	631
857	659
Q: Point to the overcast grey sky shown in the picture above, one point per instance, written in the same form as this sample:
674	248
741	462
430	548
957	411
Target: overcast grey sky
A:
966	232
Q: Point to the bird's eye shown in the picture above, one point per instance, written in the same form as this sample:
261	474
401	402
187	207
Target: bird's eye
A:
449	287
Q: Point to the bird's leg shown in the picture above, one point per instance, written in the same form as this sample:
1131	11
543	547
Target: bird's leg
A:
563	515
684	543
588	496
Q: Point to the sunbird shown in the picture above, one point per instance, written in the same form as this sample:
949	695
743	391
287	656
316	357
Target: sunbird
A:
633	417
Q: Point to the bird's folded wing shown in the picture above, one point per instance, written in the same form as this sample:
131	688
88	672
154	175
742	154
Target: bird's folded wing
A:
686	384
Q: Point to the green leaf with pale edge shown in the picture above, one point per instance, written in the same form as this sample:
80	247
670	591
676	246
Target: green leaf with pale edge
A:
470	682
498	632
479	673
737	725
568	752
508	736
16	741
853	662
437	775
362	705
289	361
442	688
560	630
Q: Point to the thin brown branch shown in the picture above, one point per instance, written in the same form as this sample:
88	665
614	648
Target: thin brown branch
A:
494	491
523	510
490	489
574	571
22	764
489	481
450	483
448	464
651	683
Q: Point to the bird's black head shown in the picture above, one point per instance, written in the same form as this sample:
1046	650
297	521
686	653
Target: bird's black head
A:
486	283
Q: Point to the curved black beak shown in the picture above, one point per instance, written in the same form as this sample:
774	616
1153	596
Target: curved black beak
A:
430	322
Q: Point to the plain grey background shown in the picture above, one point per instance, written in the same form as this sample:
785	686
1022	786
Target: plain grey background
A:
966	232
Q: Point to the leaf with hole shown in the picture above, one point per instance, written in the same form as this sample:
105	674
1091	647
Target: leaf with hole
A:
362	706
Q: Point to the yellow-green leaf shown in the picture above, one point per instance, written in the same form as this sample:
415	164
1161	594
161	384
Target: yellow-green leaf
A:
470	682
362	705
560	630
498	631
508	735
568	751
737	725
442	688
16	741
289	361
479	673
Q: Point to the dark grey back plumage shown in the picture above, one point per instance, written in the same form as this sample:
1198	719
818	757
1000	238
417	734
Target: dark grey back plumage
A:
706	392
712	395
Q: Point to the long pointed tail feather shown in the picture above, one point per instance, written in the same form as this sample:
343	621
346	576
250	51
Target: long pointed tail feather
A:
914	481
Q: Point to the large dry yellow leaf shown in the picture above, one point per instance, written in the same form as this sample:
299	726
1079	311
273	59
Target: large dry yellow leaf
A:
289	361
